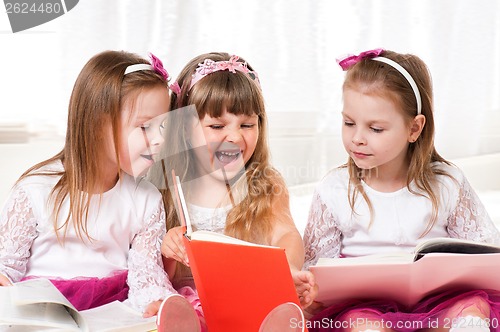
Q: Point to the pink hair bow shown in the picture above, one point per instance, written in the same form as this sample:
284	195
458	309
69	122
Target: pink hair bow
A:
158	68
232	65
351	60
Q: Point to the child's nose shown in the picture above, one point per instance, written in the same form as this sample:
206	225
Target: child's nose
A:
234	135
157	138
358	138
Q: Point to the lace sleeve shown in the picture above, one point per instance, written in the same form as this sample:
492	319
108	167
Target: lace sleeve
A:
470	220
148	281
322	238
17	232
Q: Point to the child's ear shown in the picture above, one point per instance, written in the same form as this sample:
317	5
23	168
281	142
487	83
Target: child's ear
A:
416	127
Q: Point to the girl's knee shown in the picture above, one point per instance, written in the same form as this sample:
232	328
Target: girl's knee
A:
474	305
364	321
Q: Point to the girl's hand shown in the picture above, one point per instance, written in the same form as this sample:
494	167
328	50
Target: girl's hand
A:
4	281
313	309
172	246
152	309
305	286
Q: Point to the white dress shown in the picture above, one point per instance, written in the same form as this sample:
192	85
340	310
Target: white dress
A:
399	219
126	226
208	219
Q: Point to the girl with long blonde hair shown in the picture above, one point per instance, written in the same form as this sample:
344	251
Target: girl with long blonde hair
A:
224	166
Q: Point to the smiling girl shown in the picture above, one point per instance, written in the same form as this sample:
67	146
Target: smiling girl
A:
85	218
227	177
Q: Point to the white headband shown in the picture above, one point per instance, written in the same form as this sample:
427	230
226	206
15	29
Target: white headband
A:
137	67
408	77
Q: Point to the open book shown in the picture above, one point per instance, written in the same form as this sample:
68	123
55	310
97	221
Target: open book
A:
436	265
37	305
238	282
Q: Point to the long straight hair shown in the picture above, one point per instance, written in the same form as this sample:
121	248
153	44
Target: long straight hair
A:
382	79
98	95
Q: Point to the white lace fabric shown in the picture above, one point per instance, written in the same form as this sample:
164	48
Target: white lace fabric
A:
322	237
128	237
470	220
147	279
17	232
209	219
332	229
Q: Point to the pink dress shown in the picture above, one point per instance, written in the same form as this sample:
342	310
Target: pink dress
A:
87	292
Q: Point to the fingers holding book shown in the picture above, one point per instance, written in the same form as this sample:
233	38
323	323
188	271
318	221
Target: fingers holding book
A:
172	247
4	281
305	287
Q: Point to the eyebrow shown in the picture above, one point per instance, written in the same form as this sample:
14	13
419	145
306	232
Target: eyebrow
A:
370	122
145	118
142	119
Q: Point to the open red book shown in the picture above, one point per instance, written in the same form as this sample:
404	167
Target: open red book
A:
238	282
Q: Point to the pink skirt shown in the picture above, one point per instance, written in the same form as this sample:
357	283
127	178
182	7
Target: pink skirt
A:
191	295
429	313
90	292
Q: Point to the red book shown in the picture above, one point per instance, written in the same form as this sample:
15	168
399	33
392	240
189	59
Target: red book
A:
238	282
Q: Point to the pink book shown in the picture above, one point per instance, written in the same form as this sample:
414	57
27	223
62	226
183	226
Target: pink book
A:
407	278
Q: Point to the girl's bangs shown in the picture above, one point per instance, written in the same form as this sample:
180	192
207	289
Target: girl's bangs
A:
228	91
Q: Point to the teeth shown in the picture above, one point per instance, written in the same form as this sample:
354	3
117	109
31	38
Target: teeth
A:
227	156
230	154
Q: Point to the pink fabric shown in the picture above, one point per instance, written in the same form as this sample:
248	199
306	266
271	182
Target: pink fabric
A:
429	312
192	296
90	292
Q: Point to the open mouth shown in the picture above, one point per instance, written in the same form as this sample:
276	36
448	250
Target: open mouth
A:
226	157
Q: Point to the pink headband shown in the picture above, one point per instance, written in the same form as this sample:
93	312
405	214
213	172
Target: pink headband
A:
209	66
156	66
351	60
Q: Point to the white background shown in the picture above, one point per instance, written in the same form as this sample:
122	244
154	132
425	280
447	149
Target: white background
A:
292	44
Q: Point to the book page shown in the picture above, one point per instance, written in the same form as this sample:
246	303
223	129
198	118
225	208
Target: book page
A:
181	205
340	283
462	271
36	315
31	328
409	282
453	245
117	316
37	291
202	235
388	258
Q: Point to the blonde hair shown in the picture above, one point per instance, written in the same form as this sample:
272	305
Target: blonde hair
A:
98	95
379	78
238	93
